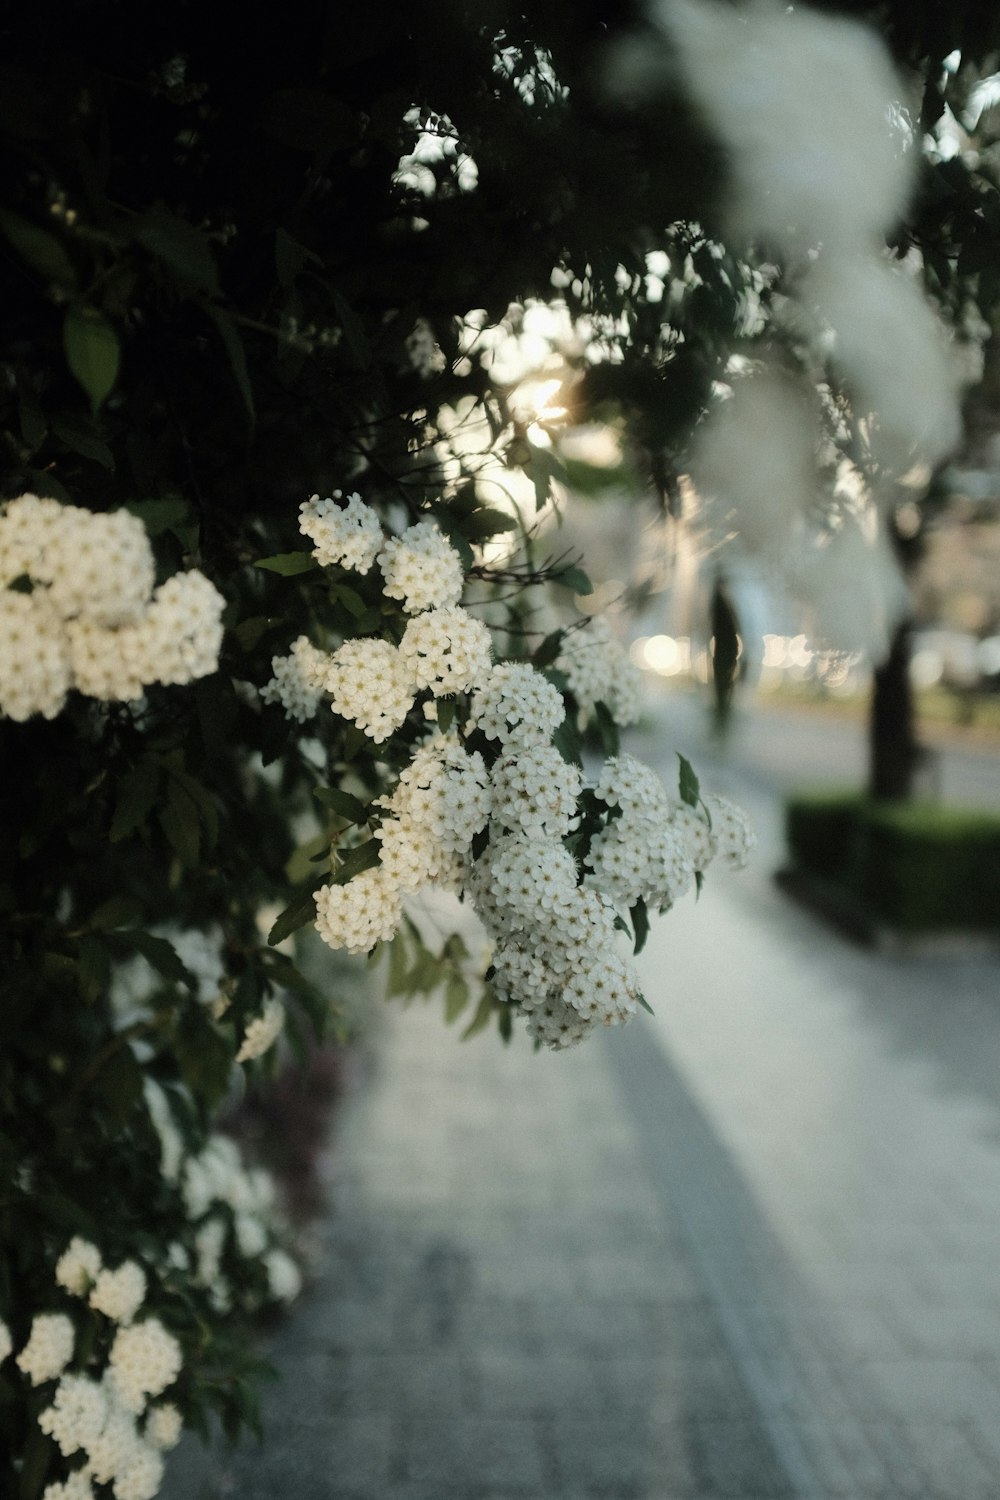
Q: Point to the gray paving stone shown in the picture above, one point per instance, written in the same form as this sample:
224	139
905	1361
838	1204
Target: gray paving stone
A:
471	1454
520	1301
675	1386
951	1462
530	1385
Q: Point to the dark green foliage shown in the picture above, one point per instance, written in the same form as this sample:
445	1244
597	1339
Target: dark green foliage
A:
918	867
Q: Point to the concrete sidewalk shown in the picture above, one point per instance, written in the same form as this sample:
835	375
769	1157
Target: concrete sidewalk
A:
747	1249
507	1307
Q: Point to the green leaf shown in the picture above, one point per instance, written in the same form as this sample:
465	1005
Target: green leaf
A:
159	516
295	915
445	714
575	579
456	998
120	1083
640	997
208	812
689	787
352	601
249	633
40	1452
287	564
482	1017
117	911
487	522
607	728
568	742
44	482
39	249
640	924
137	793
158	953
342	803
546	653
180	247
204	1056
94	968
217	707
236	353
81	435
355	861
92	351
180	822
425	975
398	966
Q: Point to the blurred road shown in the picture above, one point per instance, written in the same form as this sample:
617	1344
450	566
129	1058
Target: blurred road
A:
746	1249
851	1104
779	749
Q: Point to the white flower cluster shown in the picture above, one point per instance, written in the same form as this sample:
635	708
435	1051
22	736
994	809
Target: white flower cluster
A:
145	1359
646	851
91	619
49	1348
555	940
262	1032
535	792
554	955
356	916
299	679
79	1266
230	1205
370	681
421	568
517	706
598	670
76	1487
6	1342
90	1415
114	1415
118	1293
348	535
100	1415
447	650
442	800
372	685
552	922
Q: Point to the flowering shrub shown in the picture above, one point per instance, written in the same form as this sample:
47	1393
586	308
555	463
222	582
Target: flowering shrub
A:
490	800
459	772
237	267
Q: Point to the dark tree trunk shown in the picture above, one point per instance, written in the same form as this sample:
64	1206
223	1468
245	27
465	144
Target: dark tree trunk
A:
893	749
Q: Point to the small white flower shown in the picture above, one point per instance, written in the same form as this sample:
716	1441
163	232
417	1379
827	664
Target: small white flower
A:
262	1032
144	1360
422	568
77	1415
283	1276
119	1294
49	1348
348	535
356	916
163	1425
78	1266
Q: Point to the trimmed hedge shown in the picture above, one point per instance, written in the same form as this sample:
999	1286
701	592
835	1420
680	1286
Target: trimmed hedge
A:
916	866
